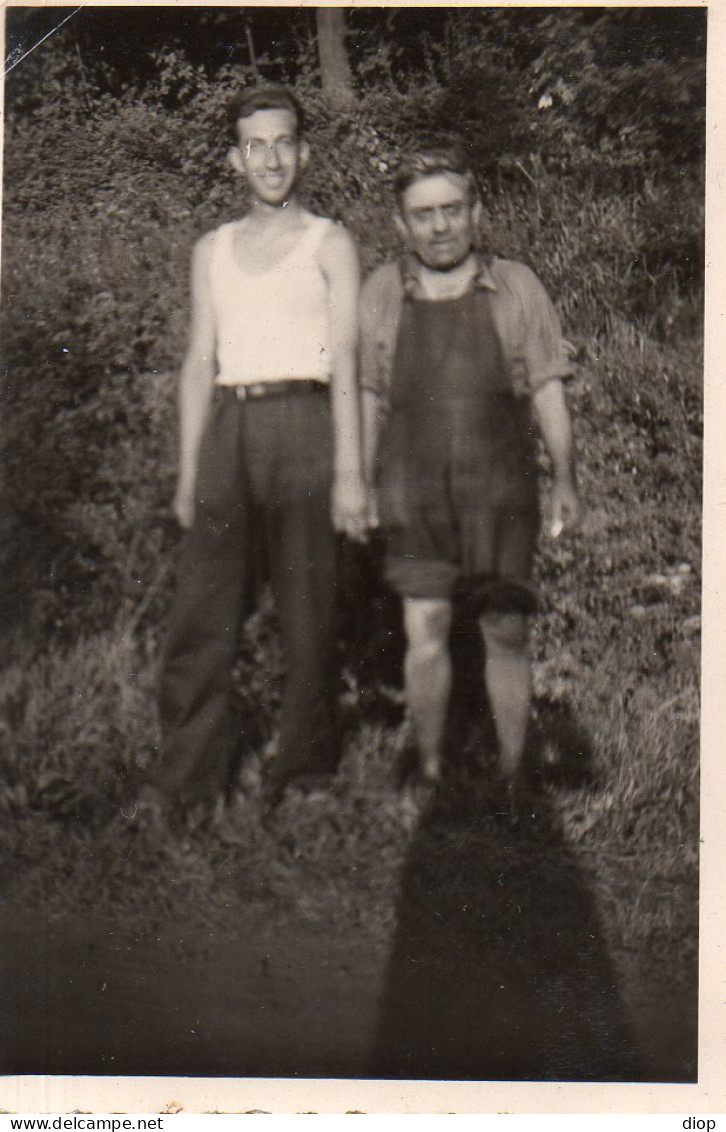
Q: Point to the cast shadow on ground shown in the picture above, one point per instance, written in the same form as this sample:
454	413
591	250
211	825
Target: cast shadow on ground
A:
498	969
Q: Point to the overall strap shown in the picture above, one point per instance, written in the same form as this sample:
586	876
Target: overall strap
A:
498	373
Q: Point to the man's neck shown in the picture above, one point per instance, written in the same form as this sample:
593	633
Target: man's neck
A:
265	215
450	284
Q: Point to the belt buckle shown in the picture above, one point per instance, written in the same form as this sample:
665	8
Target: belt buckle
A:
241	392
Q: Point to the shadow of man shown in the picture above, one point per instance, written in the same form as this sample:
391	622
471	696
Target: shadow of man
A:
498	968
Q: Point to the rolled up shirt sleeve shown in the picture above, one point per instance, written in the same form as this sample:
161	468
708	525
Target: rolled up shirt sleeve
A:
543	347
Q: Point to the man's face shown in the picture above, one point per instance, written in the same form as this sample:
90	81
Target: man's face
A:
269	154
438	219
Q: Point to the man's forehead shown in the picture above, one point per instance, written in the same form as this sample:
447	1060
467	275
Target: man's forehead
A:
266	123
435	190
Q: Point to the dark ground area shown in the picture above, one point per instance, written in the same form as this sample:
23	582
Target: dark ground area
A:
497	970
362	935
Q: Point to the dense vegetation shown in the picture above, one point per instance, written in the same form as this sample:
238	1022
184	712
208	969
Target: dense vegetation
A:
586	131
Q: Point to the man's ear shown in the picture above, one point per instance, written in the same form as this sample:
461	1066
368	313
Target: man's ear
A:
235	159
477	211
304	153
400	226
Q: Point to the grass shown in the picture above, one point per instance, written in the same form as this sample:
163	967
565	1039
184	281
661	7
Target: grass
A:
616	680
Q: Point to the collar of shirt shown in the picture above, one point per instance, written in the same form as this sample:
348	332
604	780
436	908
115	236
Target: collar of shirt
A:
410	270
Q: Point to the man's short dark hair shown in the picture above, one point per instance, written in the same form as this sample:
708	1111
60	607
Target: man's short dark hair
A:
272	96
427	163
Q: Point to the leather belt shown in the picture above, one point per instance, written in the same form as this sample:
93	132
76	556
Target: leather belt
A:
257	390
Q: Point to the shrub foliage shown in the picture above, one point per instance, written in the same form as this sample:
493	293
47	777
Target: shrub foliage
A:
585	129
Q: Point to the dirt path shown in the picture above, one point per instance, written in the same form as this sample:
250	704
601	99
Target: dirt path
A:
497	968
86	999
95	1000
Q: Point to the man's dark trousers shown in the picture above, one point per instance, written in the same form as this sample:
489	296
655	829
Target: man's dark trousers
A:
264	480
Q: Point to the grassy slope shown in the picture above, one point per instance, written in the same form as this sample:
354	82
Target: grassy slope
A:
616	676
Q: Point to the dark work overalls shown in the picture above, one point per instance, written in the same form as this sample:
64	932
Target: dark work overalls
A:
457	469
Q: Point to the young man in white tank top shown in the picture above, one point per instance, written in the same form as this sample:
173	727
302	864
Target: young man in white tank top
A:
270	463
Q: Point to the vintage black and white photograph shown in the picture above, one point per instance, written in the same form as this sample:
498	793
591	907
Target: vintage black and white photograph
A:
352	362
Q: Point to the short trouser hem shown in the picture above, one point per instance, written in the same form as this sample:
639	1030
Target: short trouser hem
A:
429	578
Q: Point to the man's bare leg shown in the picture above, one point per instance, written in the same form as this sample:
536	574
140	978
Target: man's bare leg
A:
427	671
508	679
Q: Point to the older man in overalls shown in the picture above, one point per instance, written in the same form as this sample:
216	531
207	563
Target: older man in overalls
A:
460	355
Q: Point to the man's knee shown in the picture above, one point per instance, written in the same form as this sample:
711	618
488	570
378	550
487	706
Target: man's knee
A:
504	632
427	622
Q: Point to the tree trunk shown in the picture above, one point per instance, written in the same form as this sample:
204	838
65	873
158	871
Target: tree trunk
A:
334	66
251	51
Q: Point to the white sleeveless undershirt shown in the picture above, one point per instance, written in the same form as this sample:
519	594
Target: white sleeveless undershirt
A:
271	325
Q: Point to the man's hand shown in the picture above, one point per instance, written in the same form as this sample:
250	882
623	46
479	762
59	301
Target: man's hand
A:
565	506
554	421
350	507
183	506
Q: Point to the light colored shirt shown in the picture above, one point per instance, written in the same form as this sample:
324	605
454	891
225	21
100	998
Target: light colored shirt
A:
271	325
523	315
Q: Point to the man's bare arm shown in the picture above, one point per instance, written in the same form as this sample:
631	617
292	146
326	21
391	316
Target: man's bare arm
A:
339	263
373	414
195	382
556	426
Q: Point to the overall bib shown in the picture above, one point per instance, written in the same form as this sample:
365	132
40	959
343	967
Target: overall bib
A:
457	468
